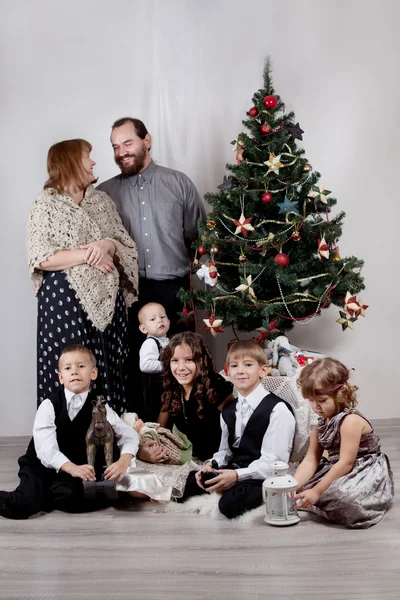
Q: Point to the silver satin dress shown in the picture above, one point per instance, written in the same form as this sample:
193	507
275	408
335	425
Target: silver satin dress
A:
360	498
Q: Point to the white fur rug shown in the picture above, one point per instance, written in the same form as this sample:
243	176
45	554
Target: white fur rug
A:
207	506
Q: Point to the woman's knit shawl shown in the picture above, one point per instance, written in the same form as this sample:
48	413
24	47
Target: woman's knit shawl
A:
56	222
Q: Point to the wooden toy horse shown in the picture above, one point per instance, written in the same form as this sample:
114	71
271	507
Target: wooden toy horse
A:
100	433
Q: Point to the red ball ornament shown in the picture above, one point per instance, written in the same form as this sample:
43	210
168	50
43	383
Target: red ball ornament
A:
201	250
253	112
296	236
266	198
213	274
270	102
265	129
282	260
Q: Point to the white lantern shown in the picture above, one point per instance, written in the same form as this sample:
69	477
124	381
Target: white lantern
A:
278	495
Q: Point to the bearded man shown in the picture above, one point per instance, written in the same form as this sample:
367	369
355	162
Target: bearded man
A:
160	208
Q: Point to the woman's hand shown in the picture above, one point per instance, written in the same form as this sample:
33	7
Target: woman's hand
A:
96	251
152	452
106	265
307	498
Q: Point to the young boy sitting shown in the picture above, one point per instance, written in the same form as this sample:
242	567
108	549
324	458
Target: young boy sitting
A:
55	465
154	323
257	429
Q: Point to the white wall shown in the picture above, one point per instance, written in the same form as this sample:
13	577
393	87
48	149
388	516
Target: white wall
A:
189	70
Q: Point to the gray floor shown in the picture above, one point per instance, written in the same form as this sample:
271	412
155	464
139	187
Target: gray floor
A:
141	553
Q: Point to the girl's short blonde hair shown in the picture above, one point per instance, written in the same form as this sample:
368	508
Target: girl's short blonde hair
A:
328	377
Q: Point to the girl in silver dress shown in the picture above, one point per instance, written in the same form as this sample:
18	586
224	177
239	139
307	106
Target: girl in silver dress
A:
352	484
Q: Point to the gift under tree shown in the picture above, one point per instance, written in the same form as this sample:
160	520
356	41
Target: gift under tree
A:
269	254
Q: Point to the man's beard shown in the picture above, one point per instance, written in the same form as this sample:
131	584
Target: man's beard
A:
136	167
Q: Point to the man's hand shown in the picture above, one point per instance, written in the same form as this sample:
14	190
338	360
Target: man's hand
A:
225	480
153	452
117	470
307	498
96	251
84	472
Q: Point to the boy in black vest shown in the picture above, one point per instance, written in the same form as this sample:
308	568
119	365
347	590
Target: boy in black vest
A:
154	323
257	429
55	464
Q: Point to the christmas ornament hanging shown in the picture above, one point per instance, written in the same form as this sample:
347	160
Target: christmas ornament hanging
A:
227	183
201	250
273	163
266	197
319	192
307	167
295	131
243	259
204	275
213	325
211	225
266	330
323	249
185	316
253	112
270	102
354	307
265	129
212	270
346	321
239	154
243	225
214	249
245	287
296	236
282	260
287	206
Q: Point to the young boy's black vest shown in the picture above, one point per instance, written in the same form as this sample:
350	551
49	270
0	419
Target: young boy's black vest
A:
249	448
71	435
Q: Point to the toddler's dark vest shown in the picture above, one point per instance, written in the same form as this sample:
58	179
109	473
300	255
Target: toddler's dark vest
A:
152	389
249	448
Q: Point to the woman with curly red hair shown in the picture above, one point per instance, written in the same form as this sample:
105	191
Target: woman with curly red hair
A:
193	393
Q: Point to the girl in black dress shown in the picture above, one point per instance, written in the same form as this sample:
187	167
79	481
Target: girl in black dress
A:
193	393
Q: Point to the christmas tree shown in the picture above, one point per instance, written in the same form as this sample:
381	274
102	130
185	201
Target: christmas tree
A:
269	255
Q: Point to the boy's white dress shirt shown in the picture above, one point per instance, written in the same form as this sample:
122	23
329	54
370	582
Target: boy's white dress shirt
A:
45	436
149	355
277	442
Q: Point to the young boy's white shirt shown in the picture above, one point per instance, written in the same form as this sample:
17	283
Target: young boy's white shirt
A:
149	355
45	432
277	441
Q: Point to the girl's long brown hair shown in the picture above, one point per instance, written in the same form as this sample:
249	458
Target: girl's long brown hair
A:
64	165
205	371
